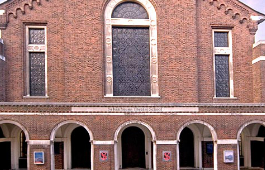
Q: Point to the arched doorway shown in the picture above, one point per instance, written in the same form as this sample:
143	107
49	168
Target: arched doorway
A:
13	146
186	148
251	146
72	147
81	148
133	148
197	149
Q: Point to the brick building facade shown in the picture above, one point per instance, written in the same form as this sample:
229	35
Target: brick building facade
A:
118	84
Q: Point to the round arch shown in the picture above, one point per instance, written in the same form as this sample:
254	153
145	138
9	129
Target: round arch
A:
53	133
151	23
246	124
214	138
18	125
213	132
117	132
243	128
146	129
112	4
52	139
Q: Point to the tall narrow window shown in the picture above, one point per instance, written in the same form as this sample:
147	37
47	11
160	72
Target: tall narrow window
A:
23	145
131	49
36	45
223	66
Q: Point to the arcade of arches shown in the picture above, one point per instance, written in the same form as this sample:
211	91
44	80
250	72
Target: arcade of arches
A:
134	148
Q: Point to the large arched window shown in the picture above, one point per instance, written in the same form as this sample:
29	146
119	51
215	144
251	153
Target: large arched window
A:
131	49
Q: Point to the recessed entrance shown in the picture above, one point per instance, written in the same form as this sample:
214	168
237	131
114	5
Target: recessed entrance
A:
196	147
13	146
81	148
133	148
186	148
252	147
72	148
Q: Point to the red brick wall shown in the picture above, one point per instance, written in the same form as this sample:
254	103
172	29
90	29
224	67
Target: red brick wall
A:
108	165
220	157
75	52
59	158
47	157
242	50
2	80
159	158
259	74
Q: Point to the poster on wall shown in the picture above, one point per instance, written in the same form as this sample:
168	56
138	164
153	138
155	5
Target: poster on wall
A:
228	156
103	156
209	148
166	156
38	157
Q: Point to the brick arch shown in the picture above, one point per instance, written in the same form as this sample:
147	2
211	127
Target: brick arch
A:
145	128
52	136
214	137
212	130
246	124
128	123
18	125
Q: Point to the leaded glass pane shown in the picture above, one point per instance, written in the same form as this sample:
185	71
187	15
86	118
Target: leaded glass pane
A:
220	39
222	75
130	10
131	62
36	36
37	74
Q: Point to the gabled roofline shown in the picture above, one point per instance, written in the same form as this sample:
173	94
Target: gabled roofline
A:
250	8
6	1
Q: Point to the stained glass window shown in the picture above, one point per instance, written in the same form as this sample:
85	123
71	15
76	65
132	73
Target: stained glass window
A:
220	39
222	75
37	74
36	46
131	62
36	36
130	10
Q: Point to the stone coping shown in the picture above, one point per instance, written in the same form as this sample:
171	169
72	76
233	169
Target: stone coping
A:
75	104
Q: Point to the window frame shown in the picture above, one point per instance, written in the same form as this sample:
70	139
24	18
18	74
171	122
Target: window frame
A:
224	51
109	22
42	48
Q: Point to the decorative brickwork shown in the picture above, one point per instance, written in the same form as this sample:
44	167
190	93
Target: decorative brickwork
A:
79	77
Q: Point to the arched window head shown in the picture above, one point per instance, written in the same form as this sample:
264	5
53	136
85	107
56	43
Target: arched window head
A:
130	10
131	49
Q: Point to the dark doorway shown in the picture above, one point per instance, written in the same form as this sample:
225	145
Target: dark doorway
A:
1	133
5	156
186	148
258	150
133	148
23	151
81	148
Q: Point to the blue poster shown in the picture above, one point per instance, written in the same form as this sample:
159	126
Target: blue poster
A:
38	158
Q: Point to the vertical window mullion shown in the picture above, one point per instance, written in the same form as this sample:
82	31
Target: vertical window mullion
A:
223	67
36	40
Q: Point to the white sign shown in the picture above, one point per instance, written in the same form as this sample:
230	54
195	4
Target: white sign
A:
228	156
